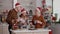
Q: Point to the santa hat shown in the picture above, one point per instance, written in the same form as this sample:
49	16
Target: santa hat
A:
23	10
17	4
39	9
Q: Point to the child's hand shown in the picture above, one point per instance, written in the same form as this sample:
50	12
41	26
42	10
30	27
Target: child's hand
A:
39	22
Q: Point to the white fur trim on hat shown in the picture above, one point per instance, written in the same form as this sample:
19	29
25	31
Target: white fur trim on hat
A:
38	10
18	5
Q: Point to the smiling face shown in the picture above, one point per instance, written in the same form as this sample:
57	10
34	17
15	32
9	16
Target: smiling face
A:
18	7
38	12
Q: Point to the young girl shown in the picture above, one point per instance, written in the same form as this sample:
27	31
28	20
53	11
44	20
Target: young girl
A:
23	19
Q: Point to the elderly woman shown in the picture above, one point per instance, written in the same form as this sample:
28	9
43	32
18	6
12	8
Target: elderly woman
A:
38	19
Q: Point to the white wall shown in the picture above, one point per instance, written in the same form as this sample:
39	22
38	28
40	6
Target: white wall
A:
14	2
49	2
56	7
26	4
38	3
6	5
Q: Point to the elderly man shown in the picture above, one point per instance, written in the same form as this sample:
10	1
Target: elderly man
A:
38	19
13	15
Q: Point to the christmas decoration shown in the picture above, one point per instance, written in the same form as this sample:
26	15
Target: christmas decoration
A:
17	4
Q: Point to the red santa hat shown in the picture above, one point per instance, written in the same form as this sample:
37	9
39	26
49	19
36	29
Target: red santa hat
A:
39	9
17	4
23	10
